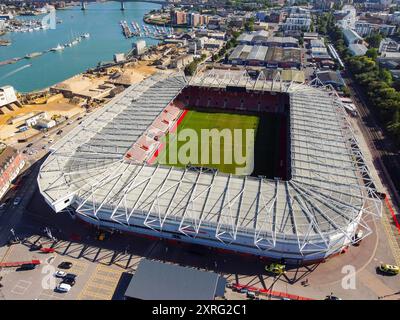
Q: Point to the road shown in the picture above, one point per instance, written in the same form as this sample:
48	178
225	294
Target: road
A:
385	155
11	214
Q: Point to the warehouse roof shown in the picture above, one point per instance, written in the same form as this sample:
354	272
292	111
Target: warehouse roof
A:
351	36
270	54
357	49
155	280
331	77
250	37
257	53
282	40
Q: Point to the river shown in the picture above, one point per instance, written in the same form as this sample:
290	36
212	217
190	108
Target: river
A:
101	20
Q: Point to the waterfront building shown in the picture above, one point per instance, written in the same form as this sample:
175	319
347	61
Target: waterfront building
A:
178	17
139	47
33	121
119	57
6	16
7	96
11	163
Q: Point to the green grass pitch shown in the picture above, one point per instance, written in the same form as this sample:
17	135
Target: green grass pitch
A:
197	120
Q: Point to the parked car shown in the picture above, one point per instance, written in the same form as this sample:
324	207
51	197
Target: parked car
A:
59	132
332	297
29	145
63	287
17	201
27	266
35	247
70	276
275	268
3	205
251	294
69	281
65	265
60	274
389	269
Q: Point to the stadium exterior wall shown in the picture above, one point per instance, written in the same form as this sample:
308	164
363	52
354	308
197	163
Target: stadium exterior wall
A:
284	250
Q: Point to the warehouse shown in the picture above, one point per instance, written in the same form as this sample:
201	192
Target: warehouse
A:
272	57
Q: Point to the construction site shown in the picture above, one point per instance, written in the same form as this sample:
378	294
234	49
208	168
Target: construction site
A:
70	98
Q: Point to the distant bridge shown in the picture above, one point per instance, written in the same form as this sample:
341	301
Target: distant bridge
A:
84	7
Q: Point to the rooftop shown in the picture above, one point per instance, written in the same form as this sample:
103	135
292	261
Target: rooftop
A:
155	280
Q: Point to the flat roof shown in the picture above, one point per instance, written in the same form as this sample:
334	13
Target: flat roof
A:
155	280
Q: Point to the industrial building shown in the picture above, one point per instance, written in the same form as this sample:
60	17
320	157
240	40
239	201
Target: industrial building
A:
272	57
101	170
155	280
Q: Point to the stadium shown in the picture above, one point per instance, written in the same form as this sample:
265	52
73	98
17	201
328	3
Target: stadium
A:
306	195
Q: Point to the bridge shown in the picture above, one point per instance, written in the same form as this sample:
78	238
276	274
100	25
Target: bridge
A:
84	3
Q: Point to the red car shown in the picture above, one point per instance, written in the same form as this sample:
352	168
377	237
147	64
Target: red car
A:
47	250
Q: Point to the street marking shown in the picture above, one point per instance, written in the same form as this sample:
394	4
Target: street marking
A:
21	287
101	285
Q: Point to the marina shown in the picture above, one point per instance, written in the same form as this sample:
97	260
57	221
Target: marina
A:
99	26
59	47
150	31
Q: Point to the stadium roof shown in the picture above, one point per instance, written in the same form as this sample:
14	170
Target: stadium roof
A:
325	195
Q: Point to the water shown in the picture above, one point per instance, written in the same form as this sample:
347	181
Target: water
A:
101	20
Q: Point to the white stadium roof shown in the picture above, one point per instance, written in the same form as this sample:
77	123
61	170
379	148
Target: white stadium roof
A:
325	195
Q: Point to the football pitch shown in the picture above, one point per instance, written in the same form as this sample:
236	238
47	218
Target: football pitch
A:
213	141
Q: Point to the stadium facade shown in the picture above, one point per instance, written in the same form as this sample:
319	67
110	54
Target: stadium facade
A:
103	171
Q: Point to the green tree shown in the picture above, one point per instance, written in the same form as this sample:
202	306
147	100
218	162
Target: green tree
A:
374	39
372	53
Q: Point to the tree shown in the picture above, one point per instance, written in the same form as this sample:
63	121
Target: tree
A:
386	76
249	25
374	39
372	53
